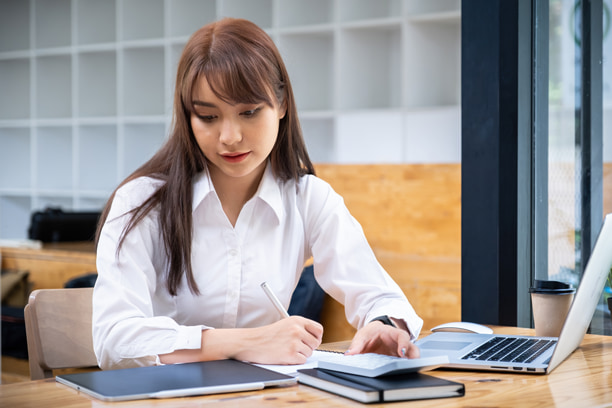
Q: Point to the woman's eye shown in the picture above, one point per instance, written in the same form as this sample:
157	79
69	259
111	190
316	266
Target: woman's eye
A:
251	112
207	118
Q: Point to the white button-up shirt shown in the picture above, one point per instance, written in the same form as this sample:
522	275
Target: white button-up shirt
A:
135	319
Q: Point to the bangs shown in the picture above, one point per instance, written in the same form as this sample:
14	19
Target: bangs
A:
237	76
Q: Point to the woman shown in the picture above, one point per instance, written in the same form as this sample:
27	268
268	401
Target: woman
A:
231	201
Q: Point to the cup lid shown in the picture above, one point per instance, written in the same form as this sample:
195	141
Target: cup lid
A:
551	287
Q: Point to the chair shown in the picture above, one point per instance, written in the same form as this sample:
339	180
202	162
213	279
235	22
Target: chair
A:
58	328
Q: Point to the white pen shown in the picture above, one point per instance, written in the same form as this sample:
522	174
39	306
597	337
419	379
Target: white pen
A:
277	304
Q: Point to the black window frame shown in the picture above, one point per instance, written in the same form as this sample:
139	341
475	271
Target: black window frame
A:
504	99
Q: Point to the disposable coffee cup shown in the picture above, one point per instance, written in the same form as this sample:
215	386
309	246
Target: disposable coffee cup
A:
550	301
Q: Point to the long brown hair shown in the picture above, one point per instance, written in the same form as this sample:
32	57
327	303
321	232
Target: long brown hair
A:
241	64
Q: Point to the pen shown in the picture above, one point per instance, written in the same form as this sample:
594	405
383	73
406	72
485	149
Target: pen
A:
277	304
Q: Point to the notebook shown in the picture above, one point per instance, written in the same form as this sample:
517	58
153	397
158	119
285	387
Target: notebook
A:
369	364
403	387
174	380
377	365
495	352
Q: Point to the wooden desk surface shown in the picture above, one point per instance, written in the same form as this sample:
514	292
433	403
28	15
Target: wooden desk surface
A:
584	379
52	265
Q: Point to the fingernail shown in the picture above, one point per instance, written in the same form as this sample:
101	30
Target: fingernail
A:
403	351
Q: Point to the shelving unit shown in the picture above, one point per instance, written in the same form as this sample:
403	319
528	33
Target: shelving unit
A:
86	86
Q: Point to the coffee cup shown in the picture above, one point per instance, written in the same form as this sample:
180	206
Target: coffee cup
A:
550	301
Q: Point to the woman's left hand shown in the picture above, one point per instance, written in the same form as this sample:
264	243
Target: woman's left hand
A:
376	337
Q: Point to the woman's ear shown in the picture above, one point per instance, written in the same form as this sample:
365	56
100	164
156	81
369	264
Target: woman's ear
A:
282	110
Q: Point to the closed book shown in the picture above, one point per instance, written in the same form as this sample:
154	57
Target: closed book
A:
412	386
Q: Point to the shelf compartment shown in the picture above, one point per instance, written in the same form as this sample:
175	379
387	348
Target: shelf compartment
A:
14	25
96	21
433	136
54	158
355	10
97	84
15	158
15	89
53	87
319	138
434	78
52	22
142	19
295	13
97	158
369	137
140	143
257	11
14	217
309	60
437	7
370	72
143	81
187	16
51	201
91	203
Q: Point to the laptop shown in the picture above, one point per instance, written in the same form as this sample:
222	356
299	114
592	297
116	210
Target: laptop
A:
174	380
530	354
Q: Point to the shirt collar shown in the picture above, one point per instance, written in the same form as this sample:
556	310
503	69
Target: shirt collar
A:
268	191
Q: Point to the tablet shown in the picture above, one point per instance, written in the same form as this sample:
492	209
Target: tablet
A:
175	380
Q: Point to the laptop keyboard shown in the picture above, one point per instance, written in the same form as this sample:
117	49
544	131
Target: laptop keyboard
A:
510	349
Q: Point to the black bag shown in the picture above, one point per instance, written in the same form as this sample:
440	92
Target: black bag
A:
55	225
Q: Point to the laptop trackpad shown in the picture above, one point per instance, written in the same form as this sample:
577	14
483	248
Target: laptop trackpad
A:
444	345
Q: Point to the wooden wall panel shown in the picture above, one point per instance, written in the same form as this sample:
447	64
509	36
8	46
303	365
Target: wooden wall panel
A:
411	215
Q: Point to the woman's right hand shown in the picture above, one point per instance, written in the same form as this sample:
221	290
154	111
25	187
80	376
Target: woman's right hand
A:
288	341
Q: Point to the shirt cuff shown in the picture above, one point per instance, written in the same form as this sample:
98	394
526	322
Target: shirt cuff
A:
189	338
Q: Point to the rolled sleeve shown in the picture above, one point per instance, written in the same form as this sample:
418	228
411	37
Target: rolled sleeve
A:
132	311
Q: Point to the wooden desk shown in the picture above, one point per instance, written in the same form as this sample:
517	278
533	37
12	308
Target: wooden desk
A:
584	379
54	264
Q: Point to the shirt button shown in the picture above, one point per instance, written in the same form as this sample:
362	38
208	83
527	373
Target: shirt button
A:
233	252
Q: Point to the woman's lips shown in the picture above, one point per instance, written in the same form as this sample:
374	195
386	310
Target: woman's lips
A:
234	157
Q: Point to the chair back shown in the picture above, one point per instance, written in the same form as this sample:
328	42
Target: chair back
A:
58	329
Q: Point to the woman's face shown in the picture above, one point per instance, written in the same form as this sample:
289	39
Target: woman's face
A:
235	138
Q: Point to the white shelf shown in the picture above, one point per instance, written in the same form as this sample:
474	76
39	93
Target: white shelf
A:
319	138
310	63
258	11
87	86
186	16
140	142
95	22
53	158
142	19
53	22
97	78
15	25
355	10
143	81
53	86
15	168
370	68
97	158
15	215
370	137
296	13
15	89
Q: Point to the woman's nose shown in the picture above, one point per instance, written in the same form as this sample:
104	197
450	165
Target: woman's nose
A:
229	133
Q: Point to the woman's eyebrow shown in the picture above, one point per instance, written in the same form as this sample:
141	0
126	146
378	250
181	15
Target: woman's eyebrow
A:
205	104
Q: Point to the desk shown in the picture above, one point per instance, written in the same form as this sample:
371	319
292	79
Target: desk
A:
583	380
54	264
